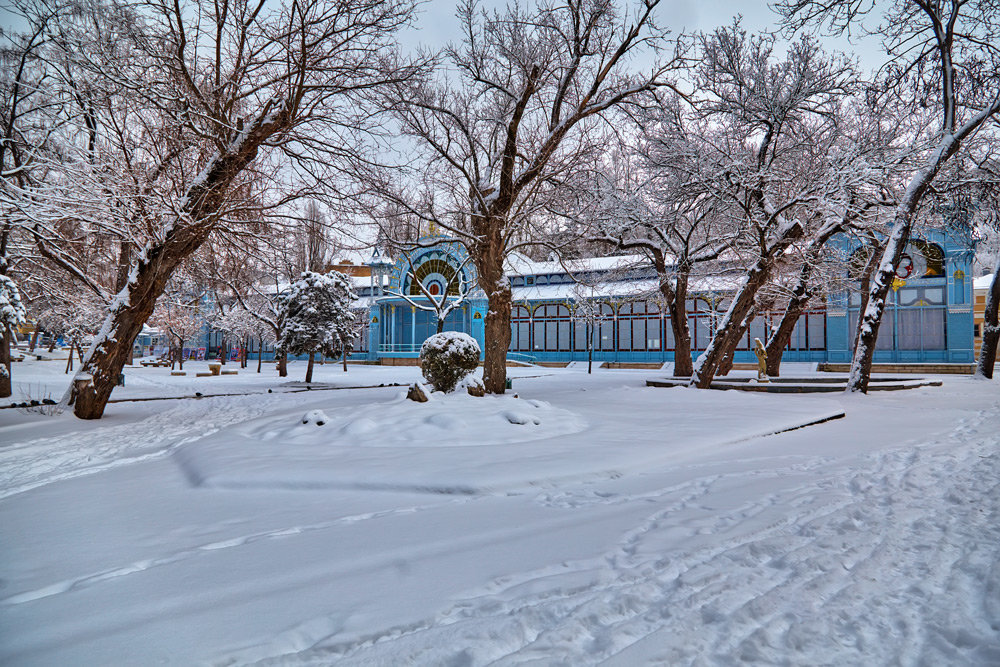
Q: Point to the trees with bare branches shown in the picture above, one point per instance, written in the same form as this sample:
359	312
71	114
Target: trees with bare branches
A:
517	115
944	58
774	113
186	112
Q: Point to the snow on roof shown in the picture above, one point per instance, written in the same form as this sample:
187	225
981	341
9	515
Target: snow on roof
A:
619	289
983	282
519	265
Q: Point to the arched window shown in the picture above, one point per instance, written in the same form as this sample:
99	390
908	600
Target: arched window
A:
701	319
551	328
606	329
520	325
638	327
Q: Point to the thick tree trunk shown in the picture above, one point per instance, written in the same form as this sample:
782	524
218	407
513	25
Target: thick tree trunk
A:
878	247
5	378
497	340
732	327
345	360
180	354
34	339
775	347
488	255
675	298
991	328
677	307
283	364
871	318
309	368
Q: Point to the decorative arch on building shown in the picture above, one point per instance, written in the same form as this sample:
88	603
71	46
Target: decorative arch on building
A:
435	261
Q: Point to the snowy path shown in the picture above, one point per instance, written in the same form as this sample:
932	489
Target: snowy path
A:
27	465
846	576
873	539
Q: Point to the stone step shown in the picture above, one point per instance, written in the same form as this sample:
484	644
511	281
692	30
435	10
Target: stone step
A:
938	368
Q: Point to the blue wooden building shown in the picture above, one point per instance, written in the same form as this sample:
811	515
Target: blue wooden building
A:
928	319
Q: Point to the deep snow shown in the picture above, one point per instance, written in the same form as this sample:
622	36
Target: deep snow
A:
590	520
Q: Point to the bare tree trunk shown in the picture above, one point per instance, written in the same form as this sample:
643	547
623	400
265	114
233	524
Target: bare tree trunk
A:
260	352
991	328
866	283
79	352
34	339
180	354
440	325
345	359
732	327
5	381
283	364
497	341
488	255
677	307
223	350
69	359
309	368
775	347
52	344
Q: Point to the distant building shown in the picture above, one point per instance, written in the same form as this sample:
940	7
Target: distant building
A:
929	317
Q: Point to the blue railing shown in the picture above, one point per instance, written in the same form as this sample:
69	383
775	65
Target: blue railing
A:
523	358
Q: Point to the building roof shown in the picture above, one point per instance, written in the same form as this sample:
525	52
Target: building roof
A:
983	282
619	289
519	265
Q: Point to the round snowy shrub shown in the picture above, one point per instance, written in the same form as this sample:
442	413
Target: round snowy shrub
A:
447	357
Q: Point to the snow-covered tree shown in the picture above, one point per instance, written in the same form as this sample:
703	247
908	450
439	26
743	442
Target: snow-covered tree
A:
948	50
187	116
515	114
775	114
318	318
12	315
659	205
181	320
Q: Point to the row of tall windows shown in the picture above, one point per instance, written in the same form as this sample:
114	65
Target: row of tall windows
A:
641	327
914	319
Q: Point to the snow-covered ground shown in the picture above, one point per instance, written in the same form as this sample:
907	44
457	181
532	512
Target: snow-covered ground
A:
589	520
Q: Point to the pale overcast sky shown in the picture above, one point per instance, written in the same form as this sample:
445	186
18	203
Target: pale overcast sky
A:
436	23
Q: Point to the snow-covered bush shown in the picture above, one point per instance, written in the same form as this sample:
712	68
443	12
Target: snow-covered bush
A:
317	315
447	357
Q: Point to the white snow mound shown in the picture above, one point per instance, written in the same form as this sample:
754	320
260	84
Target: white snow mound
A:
452	420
